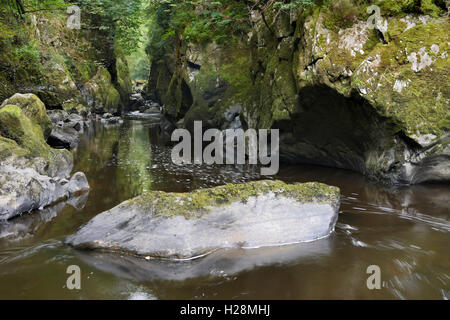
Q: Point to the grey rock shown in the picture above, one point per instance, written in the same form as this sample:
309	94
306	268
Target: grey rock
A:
25	189
77	184
64	137
175	226
57	116
30	224
137	115
112	121
153	110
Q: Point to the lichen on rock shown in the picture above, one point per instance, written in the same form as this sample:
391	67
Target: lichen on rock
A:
191	225
32	174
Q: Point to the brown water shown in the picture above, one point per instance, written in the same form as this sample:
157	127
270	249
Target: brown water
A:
405	231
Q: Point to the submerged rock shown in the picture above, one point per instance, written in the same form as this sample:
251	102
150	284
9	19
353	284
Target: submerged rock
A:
186	226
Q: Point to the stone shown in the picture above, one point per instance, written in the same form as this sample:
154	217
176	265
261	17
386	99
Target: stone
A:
152	110
191	225
32	174
33	108
65	137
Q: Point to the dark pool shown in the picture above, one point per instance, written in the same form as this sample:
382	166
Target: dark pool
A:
403	230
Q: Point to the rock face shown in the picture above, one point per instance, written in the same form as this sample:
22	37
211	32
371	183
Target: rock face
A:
342	93
32	174
186	226
61	75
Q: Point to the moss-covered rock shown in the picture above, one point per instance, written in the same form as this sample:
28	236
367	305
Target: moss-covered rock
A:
100	93
32	174
341	93
125	86
190	225
33	108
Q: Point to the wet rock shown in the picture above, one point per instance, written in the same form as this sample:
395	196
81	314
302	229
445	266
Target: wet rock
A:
57	116
186	226
65	137
137	115
32	174
112	121
154	110
31	224
24	189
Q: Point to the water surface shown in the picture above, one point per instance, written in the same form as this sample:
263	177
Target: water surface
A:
403	230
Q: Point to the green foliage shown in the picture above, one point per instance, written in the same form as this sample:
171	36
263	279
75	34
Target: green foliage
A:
22	7
341	14
289	5
120	20
196	21
28	54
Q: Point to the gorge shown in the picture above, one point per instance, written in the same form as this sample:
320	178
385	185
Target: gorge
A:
87	177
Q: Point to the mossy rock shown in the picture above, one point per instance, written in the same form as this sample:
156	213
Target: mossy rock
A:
102	93
34	109
73	106
15	125
191	225
197	203
21	138
125	85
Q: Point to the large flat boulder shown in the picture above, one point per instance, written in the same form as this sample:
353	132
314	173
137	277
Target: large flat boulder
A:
186	226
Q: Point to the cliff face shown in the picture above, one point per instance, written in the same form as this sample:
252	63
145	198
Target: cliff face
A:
65	68
347	96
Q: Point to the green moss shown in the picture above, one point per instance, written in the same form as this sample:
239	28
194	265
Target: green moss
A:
15	125
197	203
34	109
106	96
125	87
429	7
73	106
9	147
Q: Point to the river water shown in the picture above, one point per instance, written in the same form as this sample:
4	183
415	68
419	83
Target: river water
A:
403	230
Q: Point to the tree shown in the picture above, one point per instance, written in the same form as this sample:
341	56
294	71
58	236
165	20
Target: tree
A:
22	7
121	20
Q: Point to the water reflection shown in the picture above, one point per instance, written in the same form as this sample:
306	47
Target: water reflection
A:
31	225
220	264
403	230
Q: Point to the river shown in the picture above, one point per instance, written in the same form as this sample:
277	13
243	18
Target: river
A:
403	230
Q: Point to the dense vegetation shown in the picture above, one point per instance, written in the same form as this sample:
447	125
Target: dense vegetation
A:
203	21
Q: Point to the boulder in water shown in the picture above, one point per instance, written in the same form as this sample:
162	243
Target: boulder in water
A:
185	226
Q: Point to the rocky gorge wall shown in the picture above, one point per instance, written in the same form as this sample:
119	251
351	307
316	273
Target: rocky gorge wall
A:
52	79
74	70
342	94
